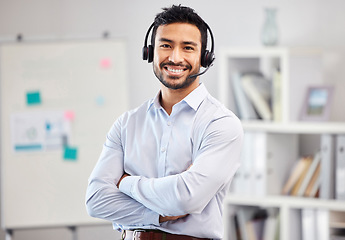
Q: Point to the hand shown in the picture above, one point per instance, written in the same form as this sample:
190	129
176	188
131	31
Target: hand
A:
170	218
123	176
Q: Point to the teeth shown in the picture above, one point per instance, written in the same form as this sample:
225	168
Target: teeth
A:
175	70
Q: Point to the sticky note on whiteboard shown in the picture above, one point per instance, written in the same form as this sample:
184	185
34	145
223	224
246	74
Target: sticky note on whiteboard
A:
70	153
105	63
33	98
69	115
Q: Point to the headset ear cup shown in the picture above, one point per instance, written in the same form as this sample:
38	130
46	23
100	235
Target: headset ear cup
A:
207	59
210	59
150	54
204	59
145	53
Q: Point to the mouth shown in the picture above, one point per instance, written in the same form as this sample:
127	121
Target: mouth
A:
175	70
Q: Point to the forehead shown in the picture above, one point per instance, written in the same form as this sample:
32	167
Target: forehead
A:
179	32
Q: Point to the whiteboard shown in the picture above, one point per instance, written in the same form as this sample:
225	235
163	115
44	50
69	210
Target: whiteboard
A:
79	87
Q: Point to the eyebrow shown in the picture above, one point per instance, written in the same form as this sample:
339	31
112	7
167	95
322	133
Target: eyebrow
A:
185	42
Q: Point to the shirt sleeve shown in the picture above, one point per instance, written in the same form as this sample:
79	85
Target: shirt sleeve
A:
103	198
216	162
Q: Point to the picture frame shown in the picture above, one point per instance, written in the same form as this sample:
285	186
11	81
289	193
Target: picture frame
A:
317	103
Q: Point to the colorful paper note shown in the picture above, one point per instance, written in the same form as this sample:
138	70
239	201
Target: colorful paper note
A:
70	154
100	100
105	63
69	115
33	98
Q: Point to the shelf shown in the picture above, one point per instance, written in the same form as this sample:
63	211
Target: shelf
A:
298	69
282	201
296	127
267	59
339	225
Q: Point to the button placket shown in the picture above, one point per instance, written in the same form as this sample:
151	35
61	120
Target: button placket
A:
164	146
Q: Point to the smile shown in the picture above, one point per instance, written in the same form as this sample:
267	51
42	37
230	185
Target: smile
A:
174	70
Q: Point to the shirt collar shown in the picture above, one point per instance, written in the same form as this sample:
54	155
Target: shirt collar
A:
155	102
194	99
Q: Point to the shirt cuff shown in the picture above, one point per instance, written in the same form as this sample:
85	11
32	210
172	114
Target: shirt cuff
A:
152	217
126	185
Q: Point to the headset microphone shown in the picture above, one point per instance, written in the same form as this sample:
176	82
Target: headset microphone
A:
201	73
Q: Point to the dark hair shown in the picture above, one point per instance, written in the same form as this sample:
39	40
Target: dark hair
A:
180	14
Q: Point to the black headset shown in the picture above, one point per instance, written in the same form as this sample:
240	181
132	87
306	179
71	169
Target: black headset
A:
206	60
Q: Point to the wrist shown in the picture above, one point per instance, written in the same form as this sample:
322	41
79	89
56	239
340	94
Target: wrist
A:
123	176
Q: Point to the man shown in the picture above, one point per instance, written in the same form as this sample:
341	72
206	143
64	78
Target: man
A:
167	165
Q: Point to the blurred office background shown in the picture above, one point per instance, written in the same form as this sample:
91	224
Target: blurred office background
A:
303	23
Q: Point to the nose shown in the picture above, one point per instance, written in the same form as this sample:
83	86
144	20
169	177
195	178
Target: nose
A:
176	56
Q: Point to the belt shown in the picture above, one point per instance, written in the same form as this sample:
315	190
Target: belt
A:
159	235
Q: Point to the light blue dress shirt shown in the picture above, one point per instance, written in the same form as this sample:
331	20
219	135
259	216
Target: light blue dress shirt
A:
156	149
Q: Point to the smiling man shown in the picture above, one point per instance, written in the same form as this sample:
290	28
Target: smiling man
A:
167	165
176	57
177	54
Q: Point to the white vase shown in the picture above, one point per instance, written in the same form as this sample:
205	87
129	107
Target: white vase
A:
269	34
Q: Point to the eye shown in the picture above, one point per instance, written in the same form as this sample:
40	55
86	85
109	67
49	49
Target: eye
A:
189	48
165	46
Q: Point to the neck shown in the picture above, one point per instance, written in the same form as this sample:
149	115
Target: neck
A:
169	97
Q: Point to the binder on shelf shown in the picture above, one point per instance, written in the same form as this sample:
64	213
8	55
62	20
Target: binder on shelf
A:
327	173
340	167
315	224
245	108
242	181
280	149
299	167
259	99
322	224
277	235
265	158
258	223
250	228
314	183
316	188
234	232
308	160
242	216
308	224
315	162
260	163
277	96
270	228
237	233
236	182
250	223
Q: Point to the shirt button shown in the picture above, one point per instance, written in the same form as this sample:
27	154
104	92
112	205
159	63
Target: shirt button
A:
169	123
163	149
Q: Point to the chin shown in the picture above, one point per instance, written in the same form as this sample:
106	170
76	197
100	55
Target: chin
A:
172	83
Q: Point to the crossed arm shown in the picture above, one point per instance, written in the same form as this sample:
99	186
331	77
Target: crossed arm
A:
161	218
104	200
138	201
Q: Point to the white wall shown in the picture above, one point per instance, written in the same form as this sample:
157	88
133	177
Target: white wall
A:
317	23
